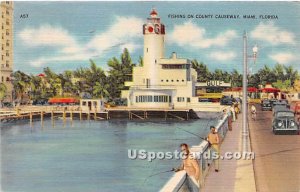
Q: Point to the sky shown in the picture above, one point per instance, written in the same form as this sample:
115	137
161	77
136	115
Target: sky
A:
65	35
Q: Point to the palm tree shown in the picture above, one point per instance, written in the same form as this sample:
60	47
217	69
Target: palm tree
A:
119	72
279	72
3	90
236	78
100	90
203	73
291	74
21	84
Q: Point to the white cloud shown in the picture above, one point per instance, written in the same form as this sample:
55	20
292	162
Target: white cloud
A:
123	33
222	56
189	34
272	34
283	58
72	57
47	35
124	30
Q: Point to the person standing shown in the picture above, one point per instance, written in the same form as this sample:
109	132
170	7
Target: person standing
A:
253	112
189	163
214	140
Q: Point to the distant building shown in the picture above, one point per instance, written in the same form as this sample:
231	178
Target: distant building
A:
6	65
161	82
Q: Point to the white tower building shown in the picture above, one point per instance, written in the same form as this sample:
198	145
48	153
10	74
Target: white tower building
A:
161	82
154	33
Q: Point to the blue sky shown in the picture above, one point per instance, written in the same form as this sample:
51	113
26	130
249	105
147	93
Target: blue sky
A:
65	35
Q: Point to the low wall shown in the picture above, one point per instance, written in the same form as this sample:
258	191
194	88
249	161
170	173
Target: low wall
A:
180	182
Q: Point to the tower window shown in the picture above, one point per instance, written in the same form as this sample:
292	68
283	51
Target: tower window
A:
155	61
162	80
2	78
177	80
172	80
167	80
147	50
182	80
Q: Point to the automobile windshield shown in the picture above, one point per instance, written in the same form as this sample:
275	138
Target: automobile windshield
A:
285	114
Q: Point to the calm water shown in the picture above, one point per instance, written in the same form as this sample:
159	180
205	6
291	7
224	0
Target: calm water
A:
90	156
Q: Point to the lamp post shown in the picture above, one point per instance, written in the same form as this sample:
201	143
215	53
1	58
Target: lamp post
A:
245	132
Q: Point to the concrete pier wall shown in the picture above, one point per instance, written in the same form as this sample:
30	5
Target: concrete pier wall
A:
180	182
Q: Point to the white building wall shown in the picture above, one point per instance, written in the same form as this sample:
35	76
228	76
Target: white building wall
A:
153	51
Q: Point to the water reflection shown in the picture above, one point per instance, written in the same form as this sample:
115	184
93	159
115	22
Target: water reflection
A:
89	155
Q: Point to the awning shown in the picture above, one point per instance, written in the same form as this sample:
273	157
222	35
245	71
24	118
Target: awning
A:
240	89
63	100
270	90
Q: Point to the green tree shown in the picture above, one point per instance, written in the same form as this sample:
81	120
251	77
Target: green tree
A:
279	72
236	79
119	72
203	73
3	90
141	61
54	87
282	85
21	84
290	74
101	90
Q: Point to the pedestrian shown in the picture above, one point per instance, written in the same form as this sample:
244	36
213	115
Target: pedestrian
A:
232	113
253	112
224	113
214	140
189	163
236	110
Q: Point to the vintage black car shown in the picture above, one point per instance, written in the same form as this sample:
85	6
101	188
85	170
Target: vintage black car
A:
284	121
227	100
272	101
280	103
266	105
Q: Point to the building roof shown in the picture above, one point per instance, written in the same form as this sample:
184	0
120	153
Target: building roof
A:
63	100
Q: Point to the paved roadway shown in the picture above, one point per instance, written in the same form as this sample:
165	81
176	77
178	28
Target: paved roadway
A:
277	157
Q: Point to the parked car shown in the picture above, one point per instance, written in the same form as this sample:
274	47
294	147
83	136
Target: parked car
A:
40	102
284	121
204	100
280	103
266	105
272	101
227	100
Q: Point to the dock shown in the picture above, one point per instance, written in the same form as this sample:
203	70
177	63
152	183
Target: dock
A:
72	113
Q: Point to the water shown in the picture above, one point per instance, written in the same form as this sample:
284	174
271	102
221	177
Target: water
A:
90	156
